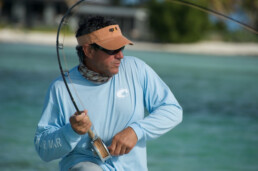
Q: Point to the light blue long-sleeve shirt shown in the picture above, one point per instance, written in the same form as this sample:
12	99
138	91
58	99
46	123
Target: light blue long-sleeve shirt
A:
112	107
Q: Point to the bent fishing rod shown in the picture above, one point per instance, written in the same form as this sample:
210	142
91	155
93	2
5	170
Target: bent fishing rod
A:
98	145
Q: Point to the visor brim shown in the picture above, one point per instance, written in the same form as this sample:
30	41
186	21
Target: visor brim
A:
114	43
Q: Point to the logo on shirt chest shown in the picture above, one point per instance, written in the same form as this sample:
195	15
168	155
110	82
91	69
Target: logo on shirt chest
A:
122	93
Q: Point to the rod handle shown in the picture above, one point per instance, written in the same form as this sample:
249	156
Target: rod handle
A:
91	134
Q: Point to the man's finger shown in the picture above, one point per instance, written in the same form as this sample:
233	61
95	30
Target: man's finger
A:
127	150
80	117
117	149
123	150
112	147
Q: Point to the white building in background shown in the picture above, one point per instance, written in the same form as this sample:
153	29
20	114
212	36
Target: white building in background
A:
133	21
47	13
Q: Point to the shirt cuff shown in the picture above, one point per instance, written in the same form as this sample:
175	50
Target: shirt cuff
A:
138	130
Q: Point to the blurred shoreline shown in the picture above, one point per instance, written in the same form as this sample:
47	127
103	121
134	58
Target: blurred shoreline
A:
203	47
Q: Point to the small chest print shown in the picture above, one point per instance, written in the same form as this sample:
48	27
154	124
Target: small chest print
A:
122	93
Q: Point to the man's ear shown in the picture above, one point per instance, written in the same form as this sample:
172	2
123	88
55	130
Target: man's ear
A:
87	50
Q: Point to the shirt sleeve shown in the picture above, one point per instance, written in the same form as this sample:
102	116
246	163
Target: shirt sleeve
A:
54	137
164	110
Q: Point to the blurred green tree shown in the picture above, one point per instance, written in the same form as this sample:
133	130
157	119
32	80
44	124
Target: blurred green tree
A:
174	23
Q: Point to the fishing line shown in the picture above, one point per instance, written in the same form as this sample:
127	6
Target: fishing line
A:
67	68
61	46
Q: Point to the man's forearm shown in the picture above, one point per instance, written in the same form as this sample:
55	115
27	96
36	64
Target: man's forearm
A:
54	143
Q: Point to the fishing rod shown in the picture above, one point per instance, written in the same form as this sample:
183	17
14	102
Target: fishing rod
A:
98	145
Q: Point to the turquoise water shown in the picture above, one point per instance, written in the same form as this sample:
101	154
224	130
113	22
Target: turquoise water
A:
219	96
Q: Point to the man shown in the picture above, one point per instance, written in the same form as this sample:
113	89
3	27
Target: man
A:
113	91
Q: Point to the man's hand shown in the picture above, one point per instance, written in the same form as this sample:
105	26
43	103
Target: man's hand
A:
123	142
80	122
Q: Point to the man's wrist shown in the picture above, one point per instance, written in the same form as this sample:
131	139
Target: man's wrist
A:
138	131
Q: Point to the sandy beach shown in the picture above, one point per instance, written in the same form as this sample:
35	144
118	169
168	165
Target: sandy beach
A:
204	47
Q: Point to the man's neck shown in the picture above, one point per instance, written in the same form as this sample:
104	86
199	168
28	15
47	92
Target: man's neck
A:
92	75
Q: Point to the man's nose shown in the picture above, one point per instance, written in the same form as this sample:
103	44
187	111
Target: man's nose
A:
119	55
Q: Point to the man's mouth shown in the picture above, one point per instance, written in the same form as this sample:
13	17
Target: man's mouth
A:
117	64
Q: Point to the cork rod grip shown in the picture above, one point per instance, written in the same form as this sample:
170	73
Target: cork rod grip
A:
91	134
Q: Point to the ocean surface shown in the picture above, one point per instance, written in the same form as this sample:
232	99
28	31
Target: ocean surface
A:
219	95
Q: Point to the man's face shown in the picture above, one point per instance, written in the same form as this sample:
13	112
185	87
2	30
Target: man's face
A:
103	63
